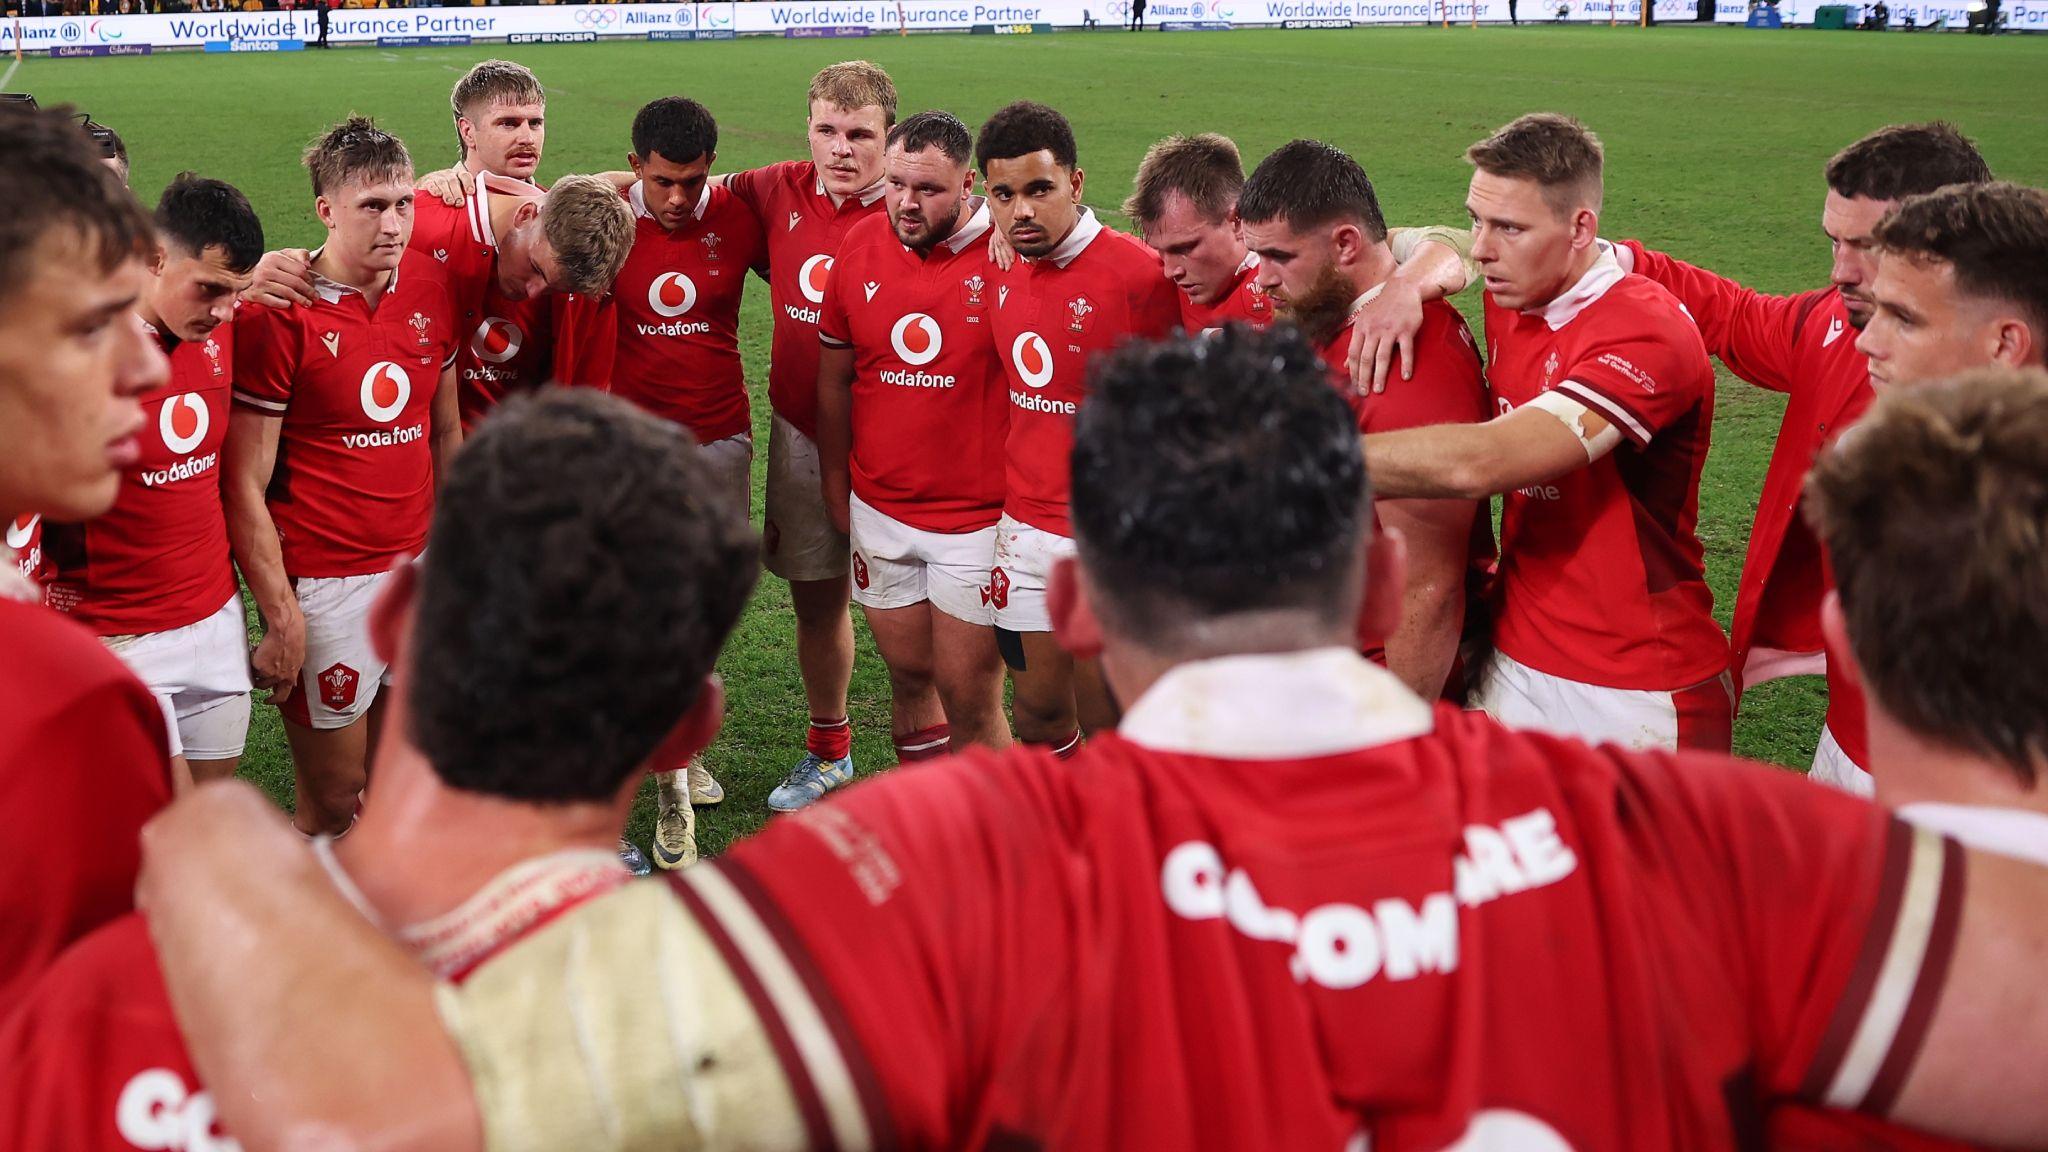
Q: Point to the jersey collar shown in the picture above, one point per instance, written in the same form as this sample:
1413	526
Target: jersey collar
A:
1276	706
974	229
1605	273
638	198
331	291
1085	230
867	196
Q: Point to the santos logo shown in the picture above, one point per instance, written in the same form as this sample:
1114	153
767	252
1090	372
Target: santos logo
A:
1342	946
156	1112
496	340
1032	359
386	388
673	294
916	339
19	532
812	278
183	422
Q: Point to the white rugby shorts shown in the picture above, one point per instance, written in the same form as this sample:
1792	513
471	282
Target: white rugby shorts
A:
1832	766
1519	696
199	675
1023	564
342	673
896	565
798	541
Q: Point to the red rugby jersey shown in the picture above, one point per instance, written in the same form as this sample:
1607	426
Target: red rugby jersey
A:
354	483
804	230
507	345
1449	387
159	559
678	315
84	762
1288	905
1244	303
25	543
1095	290
1602	575
929	414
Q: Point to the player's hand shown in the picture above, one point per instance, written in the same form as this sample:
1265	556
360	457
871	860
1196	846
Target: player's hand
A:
451	186
281	279
1385	325
275	663
838	491
999	249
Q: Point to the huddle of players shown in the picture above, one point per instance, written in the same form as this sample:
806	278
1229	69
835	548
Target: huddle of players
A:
1285	904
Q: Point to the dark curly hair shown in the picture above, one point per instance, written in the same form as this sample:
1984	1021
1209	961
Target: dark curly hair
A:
1023	128
196	214
580	578
1215	476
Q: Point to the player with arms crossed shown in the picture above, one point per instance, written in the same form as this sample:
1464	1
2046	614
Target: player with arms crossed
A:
806	208
153	577
1389	924
83	760
498	797
1311	216
1604	627
911	421
1081	290
675	348
344	413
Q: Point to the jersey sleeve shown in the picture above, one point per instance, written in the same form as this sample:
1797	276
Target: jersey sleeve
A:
1155	305
754	186
266	358
1448	387
1640	376
1840	1002
1753	334
834	331
585	341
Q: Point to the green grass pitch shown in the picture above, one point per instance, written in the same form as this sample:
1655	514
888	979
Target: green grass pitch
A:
1715	141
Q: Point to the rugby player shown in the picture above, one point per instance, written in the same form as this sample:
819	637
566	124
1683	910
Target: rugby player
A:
675	349
153	578
1384	924
911	422
496	810
349	406
83	759
1184	202
1310	215
1604	627
806	208
1081	290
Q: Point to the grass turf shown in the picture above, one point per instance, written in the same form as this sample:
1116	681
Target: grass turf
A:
1715	141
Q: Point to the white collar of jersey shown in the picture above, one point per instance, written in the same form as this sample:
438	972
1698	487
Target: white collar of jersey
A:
479	207
1270	706
332	291
1605	273
2017	832
1250	261
867	195
1366	297
975	228
638	197
1085	230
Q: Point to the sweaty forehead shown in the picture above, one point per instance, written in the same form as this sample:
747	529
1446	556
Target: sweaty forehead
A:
868	116
509	109
1017	171
1852	217
927	164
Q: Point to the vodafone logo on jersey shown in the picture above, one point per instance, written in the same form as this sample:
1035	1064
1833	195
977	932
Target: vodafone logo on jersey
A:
496	340
811	279
156	1111
386	388
19	532
672	293
1032	358
916	339
183	422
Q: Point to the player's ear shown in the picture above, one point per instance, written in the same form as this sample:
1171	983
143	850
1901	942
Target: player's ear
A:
1077	178
633	162
1834	633
1236	223
1074	624
696	730
324	211
2016	346
391	615
1386	582
1348	242
1585	228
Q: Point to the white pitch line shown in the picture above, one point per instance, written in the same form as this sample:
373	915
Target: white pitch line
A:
9	74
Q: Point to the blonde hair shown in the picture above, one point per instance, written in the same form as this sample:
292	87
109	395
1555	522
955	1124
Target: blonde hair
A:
1556	151
590	228
854	84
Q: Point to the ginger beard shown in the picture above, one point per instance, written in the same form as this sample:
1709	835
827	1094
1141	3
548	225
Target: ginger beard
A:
1323	309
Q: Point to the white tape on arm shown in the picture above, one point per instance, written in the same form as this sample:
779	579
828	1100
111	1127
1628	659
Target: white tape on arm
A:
1581	420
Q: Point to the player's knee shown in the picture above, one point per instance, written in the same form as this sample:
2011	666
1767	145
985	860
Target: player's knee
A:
910	680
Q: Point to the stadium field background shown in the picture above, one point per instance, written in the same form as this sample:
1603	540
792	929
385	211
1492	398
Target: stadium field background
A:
1715	141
